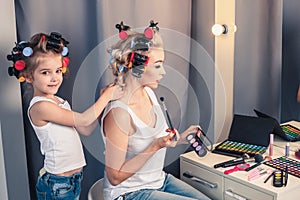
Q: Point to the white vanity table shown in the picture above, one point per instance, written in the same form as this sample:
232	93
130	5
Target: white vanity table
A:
200	173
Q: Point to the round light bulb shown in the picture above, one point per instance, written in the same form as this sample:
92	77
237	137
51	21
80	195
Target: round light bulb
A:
219	29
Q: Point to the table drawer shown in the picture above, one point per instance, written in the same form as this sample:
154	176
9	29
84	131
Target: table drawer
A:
205	181
234	190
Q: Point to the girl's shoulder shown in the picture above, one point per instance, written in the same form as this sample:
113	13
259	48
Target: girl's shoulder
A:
37	99
44	100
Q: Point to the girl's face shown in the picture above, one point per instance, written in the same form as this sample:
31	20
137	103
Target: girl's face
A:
47	77
154	70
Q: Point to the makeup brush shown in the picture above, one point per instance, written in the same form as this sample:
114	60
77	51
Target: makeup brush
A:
162	99
259	160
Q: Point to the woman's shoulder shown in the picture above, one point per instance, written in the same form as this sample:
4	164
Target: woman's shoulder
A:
152	95
118	109
116	106
119	114
118	117
149	90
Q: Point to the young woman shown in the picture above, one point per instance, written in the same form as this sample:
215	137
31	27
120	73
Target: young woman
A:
134	128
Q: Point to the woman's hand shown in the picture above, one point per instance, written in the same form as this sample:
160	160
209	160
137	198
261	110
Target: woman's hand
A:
168	140
192	129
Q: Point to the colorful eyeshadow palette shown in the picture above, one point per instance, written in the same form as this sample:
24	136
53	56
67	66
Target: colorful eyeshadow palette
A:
292	133
281	162
233	148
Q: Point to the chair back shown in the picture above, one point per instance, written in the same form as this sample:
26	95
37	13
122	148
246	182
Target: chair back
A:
96	191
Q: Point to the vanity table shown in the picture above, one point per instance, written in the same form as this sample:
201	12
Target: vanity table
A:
200	173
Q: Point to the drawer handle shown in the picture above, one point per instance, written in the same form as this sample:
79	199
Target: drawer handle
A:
199	180
234	195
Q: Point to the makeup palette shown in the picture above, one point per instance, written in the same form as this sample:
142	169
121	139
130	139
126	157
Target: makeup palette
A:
197	144
285	131
233	148
282	162
291	132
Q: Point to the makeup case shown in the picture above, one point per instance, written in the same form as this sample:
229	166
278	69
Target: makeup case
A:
248	134
287	132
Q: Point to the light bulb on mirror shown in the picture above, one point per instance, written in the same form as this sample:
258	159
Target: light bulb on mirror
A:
219	29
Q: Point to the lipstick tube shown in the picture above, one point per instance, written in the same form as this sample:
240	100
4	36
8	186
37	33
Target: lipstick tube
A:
271	145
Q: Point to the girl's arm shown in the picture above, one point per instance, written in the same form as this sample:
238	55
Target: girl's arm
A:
110	92
43	112
117	127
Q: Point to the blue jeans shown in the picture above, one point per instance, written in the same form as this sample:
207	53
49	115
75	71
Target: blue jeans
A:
173	189
50	187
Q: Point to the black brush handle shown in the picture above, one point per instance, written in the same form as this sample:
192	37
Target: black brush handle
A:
168	116
253	166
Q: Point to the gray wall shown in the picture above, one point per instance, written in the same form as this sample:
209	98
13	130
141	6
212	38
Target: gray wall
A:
258	49
202	69
291	60
12	147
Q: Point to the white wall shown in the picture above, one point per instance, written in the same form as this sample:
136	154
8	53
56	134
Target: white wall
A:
13	165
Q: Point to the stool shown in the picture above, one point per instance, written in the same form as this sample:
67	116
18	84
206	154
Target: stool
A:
96	191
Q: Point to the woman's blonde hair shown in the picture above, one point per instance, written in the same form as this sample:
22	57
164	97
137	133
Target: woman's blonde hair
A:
121	52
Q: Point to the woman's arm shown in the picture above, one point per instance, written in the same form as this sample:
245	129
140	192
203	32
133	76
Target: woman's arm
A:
117	127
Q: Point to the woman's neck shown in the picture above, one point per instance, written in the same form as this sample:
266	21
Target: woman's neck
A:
134	91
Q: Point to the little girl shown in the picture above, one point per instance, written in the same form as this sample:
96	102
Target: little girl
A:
41	62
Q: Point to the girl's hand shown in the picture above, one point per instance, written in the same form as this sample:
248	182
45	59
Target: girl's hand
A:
191	129
112	92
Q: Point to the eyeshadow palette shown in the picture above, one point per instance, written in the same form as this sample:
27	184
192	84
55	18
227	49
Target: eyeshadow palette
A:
292	133
281	163
197	144
233	148
285	131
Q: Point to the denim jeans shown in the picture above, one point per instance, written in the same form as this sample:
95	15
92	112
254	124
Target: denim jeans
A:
50	187
173	189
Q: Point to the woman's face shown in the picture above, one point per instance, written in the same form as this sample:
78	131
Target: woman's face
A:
154	70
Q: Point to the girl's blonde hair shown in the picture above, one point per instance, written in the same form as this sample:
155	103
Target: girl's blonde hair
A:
26	56
39	46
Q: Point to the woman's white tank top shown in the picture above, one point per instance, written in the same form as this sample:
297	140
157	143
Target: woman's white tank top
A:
151	175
